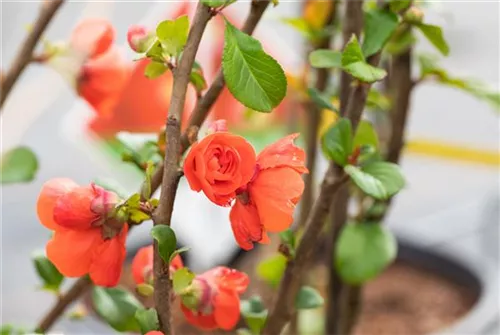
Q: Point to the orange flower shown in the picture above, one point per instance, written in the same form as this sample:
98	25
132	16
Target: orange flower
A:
218	304
154	332
104	71
219	165
86	240
268	201
142	265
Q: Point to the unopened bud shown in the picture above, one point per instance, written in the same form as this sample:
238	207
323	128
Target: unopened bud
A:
414	15
198	296
139	38
104	201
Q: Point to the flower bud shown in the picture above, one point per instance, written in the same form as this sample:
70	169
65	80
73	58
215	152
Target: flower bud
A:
104	201
218	125
414	15
139	38
198	296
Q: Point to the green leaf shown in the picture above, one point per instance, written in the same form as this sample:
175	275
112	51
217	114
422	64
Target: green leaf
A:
365	135
321	100
150	169
217	3
363	251
51	277
173	35
182	278
301	25
380	180
117	307
253	77
435	35
379	26
154	70
400	42
337	142
399	5
198	81
325	58
146	290
18	165
308	298
155	52
354	63
271	269
378	100
254	313
177	252
147	320
167	241
288	237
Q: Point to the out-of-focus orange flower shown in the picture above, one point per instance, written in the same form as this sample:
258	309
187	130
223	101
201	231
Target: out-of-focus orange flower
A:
142	265
154	332
86	239
268	201
219	165
218	299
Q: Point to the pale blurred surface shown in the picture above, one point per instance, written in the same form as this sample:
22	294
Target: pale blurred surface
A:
465	194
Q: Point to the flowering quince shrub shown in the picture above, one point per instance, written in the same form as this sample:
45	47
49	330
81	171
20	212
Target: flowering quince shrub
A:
90	224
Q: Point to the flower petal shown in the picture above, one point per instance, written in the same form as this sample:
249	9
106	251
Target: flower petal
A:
283	153
275	193
231	279
205	322
246	225
226	309
92	37
51	191
72	209
71	250
143	260
107	261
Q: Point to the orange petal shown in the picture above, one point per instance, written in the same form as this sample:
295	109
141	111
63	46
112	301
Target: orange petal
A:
51	191
102	80
226	309
231	279
72	209
142	261
283	153
205	322
71	250
275	193
92	37
245	224
107	261
176	263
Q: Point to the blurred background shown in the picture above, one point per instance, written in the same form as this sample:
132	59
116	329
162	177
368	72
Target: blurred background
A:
451	161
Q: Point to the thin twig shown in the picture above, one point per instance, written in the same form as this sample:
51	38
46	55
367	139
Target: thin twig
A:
198	117
24	55
313	117
338	209
290	284
204	104
163	214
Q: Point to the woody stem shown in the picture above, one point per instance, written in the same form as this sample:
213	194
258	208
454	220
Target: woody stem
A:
163	214
25	53
198	117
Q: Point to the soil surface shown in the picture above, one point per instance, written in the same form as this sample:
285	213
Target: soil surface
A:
404	300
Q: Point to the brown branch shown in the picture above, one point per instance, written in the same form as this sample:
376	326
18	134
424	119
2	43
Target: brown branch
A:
204	105
353	24
313	117
25	53
198	117
332	183
163	214
338	209
77	289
